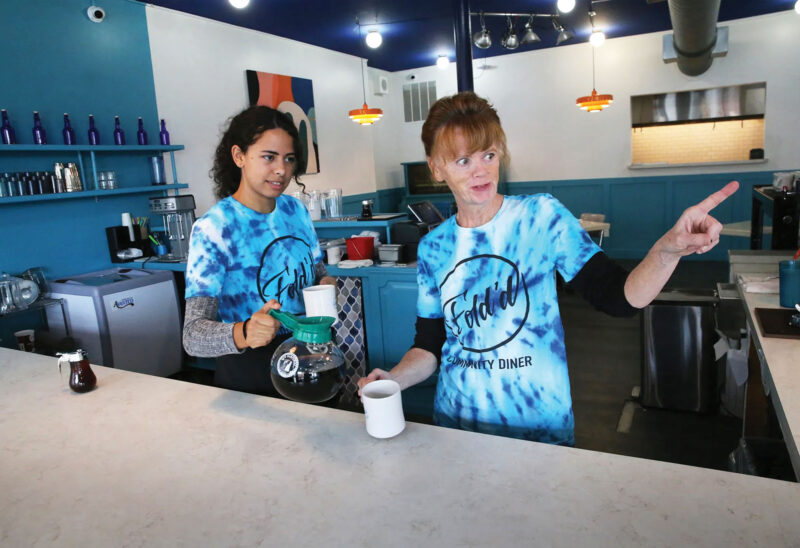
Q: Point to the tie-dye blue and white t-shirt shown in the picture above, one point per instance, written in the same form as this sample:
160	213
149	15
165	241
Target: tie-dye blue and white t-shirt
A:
245	258
504	367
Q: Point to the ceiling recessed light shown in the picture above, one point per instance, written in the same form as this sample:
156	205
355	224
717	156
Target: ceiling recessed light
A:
239	4
374	39
443	62
797	6
565	6
597	38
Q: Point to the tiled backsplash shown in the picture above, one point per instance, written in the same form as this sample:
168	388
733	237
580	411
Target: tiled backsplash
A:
697	142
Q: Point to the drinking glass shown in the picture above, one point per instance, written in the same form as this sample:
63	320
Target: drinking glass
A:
333	202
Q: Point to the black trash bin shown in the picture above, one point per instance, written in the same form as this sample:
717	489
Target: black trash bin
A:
765	457
678	367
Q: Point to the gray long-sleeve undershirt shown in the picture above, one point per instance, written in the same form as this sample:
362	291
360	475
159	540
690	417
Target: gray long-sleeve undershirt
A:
204	336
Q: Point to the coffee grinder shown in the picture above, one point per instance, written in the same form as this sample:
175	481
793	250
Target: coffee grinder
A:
178	215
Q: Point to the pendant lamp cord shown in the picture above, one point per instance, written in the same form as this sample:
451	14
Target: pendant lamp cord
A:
591	22
361	61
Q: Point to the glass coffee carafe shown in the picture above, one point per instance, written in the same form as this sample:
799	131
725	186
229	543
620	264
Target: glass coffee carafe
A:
307	367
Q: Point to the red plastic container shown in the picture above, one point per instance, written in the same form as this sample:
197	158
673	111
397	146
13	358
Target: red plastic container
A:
360	247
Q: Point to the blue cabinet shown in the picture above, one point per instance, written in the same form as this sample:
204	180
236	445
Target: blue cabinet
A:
389	297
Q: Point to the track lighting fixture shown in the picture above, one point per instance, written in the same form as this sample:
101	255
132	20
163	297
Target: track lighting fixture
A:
563	34
530	37
482	38
510	40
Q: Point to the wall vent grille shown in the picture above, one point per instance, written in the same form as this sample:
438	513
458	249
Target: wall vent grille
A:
417	100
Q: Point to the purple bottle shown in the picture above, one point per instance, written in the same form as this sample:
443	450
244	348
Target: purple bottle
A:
94	135
39	135
164	134
141	134
68	132
9	137
119	135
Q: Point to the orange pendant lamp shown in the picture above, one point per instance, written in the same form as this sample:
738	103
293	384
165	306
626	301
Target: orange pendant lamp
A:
595	102
364	116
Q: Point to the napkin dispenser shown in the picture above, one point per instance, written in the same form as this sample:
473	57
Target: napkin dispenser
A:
119	239
409	233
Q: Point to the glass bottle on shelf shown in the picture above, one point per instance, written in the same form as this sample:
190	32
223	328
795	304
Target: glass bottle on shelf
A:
94	135
119	135
164	134
39	135
141	134
9	137
68	132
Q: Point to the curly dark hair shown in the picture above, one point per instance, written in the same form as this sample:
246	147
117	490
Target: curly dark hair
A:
243	130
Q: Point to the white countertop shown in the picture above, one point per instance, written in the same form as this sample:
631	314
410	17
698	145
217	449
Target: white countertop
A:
780	367
148	461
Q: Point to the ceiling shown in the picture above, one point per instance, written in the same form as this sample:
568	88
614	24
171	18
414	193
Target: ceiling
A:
416	32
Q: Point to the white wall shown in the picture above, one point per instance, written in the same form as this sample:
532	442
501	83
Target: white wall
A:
199	70
550	138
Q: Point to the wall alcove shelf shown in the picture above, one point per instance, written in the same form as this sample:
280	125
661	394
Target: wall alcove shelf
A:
89	177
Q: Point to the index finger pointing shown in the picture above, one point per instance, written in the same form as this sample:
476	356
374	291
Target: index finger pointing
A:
719	196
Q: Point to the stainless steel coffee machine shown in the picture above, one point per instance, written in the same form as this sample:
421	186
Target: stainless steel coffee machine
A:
178	215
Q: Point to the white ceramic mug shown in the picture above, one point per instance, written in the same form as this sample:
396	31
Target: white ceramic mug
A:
334	255
383	408
320	300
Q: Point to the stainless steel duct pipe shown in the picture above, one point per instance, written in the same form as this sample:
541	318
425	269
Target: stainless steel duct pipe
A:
694	24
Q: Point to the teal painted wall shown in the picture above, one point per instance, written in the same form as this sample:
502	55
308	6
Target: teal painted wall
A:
642	208
56	60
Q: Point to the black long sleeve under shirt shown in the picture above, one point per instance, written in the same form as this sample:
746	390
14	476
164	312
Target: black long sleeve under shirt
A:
601	282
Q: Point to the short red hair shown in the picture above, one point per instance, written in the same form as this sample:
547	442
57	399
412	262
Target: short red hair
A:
468	114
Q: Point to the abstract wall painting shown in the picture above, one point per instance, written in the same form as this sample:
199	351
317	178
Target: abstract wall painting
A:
295	97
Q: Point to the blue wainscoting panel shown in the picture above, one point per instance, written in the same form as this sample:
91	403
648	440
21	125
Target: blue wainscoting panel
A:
642	208
582	198
638	215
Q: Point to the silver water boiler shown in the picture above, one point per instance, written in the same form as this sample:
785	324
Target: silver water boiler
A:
178	215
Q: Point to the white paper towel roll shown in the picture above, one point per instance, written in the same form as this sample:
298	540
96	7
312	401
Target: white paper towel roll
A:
126	221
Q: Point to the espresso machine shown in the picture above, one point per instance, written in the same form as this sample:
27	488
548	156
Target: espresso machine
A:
178	215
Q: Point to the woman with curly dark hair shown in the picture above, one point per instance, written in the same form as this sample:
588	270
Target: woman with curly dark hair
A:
253	251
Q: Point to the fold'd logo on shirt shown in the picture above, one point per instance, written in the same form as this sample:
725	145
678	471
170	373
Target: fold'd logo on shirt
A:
485	302
287	283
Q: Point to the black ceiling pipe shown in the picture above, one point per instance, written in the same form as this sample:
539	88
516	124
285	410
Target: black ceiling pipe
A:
694	25
463	39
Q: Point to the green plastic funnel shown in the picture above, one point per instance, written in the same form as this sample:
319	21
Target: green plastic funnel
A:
316	329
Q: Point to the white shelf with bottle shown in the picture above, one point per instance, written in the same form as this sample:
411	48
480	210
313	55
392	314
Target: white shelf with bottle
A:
90	184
